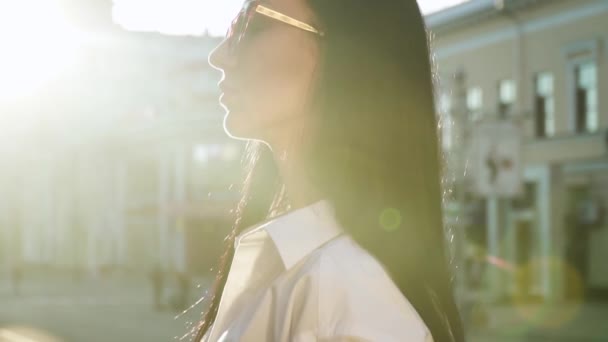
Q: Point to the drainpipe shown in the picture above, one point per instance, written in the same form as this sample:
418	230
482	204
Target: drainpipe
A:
498	208
549	278
519	66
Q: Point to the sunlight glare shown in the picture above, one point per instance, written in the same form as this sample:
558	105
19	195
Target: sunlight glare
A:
195	17
176	17
37	46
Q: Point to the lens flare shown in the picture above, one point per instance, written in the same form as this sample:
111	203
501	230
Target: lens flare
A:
548	314
390	219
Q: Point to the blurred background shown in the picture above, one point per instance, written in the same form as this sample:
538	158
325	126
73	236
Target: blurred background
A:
117	179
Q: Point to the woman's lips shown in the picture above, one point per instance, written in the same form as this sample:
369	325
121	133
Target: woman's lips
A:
223	98
227	99
226	87
228	94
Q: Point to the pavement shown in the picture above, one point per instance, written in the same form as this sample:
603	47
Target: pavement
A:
120	308
560	322
94	309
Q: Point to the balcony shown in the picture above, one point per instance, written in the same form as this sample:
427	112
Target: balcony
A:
566	148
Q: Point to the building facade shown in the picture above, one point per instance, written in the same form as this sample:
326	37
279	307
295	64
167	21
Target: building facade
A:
127	165
543	66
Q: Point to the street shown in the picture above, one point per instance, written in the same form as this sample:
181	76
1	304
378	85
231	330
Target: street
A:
90	310
564	323
120	308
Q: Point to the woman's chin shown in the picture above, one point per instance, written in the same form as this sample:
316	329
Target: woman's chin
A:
236	128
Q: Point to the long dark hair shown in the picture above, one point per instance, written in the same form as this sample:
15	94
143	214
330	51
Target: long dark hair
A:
375	154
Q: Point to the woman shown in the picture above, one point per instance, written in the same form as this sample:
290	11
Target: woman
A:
339	232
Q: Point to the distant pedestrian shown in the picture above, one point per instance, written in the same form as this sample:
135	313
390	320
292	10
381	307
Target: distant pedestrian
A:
474	313
16	279
182	294
157	279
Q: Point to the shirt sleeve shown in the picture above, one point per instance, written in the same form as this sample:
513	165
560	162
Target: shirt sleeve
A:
358	302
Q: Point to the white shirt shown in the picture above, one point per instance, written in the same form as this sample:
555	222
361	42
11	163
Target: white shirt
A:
300	278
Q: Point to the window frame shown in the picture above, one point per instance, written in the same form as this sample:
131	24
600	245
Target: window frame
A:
577	54
510	105
536	79
478	114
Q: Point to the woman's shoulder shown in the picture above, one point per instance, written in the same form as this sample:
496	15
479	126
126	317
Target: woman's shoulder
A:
348	293
357	297
344	266
343	262
338	264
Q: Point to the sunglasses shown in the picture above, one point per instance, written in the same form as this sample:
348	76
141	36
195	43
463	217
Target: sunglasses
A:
237	30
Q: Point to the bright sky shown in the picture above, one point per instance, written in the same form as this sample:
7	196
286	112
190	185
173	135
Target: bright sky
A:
24	72
193	17
36	46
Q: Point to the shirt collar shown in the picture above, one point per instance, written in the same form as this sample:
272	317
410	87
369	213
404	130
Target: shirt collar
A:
299	232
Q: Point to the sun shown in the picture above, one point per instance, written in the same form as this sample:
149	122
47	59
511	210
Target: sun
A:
37	46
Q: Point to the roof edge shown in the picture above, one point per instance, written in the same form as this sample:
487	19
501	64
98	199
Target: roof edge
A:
461	11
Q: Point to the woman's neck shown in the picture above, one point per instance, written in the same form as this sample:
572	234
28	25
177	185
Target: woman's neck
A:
299	190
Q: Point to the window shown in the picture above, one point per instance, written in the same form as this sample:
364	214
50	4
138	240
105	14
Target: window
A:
445	110
586	104
214	167
544	105
527	199
204	153
474	103
507	93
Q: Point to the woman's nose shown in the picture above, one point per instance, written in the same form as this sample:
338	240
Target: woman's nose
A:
221	58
